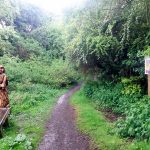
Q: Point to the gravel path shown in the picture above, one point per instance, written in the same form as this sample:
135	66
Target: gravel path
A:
61	132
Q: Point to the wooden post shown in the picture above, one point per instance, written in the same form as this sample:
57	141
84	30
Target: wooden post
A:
1	131
147	71
148	85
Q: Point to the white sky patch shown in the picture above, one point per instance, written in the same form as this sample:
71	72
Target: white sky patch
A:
56	6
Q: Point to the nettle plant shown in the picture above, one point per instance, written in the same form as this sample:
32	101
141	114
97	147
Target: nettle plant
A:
21	140
137	122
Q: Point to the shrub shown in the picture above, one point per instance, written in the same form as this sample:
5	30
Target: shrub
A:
109	96
137	121
131	86
57	74
123	98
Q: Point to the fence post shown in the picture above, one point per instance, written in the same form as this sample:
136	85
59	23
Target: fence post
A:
148	85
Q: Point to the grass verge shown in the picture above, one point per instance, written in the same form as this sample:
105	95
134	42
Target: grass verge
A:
93	123
31	107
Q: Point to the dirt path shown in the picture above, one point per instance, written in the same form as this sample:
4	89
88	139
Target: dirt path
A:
61	132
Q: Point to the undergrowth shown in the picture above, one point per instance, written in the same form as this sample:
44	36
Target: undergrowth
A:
30	110
93	123
34	87
123	98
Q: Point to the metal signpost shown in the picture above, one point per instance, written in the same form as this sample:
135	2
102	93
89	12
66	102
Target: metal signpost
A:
147	71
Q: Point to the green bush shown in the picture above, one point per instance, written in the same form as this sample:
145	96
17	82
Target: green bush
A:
109	96
123	98
89	88
131	86
57	74
137	121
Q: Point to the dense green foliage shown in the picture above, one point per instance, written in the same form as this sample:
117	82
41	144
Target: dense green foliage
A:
124	100
34	86
111	96
137	122
93	123
56	75
112	36
26	43
108	39
23	35
31	50
51	39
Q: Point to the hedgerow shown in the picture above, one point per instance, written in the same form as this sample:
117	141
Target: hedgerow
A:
128	102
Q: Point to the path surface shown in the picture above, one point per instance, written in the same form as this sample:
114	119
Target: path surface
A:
61	132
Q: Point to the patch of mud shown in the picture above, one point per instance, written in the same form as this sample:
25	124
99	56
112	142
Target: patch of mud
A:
110	116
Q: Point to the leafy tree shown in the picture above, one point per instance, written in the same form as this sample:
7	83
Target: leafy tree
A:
8	12
30	17
103	22
51	39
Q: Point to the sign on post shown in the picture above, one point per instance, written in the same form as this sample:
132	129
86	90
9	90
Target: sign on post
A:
147	65
147	71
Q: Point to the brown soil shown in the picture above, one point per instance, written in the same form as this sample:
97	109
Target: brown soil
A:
61	132
110	116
